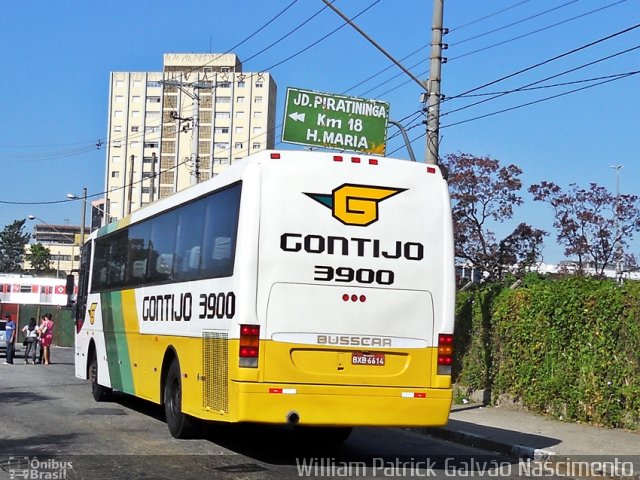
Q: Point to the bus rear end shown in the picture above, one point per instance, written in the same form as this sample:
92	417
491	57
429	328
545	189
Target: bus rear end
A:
355	294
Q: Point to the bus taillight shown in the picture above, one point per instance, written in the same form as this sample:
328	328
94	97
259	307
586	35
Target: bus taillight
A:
249	345
445	353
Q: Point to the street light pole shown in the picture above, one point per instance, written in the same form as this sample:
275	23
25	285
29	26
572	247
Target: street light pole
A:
106	217
84	213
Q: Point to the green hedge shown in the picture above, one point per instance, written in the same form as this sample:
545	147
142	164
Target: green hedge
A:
569	347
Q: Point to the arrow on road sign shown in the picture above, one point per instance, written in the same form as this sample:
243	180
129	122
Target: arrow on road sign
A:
298	117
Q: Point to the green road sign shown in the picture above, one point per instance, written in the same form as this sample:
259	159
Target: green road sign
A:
335	121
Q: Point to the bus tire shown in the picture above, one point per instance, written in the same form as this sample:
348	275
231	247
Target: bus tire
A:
180	424
100	393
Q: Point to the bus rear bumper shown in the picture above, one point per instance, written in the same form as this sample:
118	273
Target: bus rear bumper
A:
342	405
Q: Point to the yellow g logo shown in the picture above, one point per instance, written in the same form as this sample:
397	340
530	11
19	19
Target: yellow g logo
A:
355	204
92	313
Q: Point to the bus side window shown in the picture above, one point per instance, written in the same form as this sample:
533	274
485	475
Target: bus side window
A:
161	247
220	233
190	229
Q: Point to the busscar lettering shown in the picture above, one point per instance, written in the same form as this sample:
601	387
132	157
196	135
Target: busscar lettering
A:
353	341
361	247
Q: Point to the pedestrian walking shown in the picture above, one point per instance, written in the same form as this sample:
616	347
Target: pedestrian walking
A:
46	337
10	335
30	332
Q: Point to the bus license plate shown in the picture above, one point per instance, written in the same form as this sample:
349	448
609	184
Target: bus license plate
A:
376	359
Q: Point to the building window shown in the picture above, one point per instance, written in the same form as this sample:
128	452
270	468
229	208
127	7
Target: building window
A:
221	145
116	144
119	99
115	159
135	114
257	114
240	100
239	114
153	99
150	144
256	146
204	146
241	84
148	160
257	130
223	99
136	99
117	114
117	128
223	115
153	114
134	129
151	84
239	129
221	130
119	83
220	161
115	174
259	84
239	145
137	84
224	85
258	100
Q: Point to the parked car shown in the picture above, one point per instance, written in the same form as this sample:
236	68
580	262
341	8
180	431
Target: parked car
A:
3	326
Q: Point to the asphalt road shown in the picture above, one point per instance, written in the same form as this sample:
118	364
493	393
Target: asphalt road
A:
52	428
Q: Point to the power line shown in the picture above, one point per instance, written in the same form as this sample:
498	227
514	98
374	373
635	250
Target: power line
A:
290	57
525	87
535	31
618	77
460	27
549	60
512	24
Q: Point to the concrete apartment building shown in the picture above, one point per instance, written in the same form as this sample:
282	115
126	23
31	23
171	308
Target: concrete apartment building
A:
171	129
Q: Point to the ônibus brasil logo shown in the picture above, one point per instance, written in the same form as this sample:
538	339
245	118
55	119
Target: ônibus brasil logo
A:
355	204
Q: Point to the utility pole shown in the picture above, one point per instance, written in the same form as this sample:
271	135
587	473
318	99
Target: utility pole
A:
433	86
131	163
195	120
154	159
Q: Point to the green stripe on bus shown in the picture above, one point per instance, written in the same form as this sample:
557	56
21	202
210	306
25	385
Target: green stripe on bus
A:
117	345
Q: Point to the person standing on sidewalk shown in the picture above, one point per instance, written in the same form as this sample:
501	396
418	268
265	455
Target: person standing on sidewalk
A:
46	338
10	336
31	336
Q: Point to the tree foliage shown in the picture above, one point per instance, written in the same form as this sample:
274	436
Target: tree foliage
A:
592	224
484	193
40	259
12	243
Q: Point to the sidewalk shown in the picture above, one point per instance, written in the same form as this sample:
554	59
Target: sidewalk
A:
522	434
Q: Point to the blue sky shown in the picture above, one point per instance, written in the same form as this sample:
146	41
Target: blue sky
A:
57	57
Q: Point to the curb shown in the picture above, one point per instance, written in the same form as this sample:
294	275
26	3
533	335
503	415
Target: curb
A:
478	441
513	451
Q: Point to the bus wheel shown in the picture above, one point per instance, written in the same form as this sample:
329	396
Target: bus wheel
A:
180	424
323	435
100	392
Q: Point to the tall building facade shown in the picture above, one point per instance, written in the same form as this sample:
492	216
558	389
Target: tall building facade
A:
63	242
172	129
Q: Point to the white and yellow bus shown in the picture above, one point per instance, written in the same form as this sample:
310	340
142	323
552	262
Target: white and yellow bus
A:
299	288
